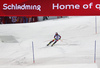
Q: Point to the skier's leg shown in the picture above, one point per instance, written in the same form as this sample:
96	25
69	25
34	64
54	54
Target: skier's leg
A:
54	42
50	42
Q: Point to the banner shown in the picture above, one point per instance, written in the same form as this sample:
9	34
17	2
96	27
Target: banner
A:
49	7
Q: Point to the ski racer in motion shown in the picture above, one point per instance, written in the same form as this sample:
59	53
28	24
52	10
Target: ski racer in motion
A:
56	38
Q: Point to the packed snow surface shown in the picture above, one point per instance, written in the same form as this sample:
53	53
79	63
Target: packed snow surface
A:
74	50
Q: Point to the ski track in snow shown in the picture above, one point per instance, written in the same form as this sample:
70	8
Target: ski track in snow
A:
76	47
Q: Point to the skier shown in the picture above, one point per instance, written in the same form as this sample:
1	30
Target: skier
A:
56	38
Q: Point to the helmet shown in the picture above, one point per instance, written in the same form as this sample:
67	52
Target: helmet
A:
56	33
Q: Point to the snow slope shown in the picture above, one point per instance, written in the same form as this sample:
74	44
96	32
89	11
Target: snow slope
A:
74	50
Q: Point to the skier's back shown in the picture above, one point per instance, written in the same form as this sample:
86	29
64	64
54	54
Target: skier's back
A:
56	38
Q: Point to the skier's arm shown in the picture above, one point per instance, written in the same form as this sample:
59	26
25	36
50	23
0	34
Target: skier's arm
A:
59	37
54	36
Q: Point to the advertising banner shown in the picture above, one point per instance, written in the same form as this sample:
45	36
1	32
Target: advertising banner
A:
49	7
